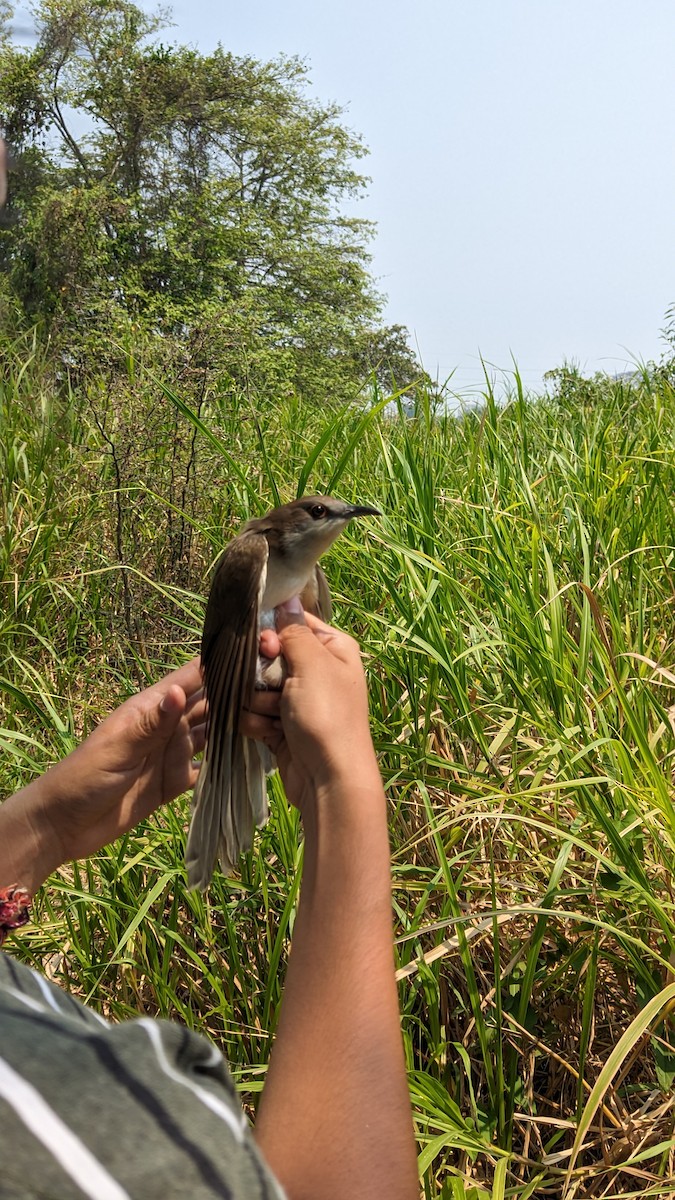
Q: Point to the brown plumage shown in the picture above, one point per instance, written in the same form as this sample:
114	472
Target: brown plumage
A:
273	559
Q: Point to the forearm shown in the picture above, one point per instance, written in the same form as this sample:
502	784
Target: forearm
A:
335	1119
27	856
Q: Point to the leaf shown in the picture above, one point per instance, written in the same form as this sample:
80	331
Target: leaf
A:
637	1028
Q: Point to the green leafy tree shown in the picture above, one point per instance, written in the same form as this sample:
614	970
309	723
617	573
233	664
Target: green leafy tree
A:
199	197
385	354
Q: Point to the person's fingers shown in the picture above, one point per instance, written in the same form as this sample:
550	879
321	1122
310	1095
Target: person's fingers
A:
198	738
265	702
195	700
149	717
274	742
189	677
290	612
170	708
196	714
335	638
298	643
300	648
269	645
297	616
319	627
258	727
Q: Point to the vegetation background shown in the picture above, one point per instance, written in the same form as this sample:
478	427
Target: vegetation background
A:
189	333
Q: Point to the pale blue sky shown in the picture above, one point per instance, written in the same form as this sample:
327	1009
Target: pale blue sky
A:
522	162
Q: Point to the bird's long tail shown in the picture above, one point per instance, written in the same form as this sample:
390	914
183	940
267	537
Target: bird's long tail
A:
227	809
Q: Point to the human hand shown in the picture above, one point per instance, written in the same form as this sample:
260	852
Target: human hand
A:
317	726
140	757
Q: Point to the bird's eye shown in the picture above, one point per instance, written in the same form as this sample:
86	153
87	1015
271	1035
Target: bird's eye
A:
318	511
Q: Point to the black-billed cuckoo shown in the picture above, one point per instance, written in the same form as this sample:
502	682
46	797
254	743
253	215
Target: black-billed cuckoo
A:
272	560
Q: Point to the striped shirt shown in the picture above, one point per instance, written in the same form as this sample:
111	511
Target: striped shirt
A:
142	1110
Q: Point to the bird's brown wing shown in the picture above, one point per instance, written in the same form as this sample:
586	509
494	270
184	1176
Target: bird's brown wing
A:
221	820
316	596
230	637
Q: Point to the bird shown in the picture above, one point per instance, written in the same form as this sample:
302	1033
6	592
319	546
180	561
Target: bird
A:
272	560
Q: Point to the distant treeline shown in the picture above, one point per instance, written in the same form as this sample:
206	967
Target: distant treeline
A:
195	204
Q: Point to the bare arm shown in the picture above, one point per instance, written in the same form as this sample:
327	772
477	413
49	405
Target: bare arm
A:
135	760
335	1119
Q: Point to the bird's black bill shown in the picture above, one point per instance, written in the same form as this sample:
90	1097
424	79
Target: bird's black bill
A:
363	510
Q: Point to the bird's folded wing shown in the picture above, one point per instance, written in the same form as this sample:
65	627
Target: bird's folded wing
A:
222	820
230	638
316	596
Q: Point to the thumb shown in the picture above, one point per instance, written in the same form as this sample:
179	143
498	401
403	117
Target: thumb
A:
158	721
298	643
290	612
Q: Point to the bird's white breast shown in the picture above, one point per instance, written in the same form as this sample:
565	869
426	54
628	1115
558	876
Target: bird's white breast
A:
282	584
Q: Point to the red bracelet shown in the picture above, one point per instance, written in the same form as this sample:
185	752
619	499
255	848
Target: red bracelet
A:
14	909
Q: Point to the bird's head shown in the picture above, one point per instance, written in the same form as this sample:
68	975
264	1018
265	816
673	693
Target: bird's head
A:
305	528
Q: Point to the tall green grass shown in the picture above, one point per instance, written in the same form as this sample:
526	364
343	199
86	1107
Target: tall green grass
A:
516	608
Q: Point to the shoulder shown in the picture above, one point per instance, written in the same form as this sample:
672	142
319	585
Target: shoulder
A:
142	1108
